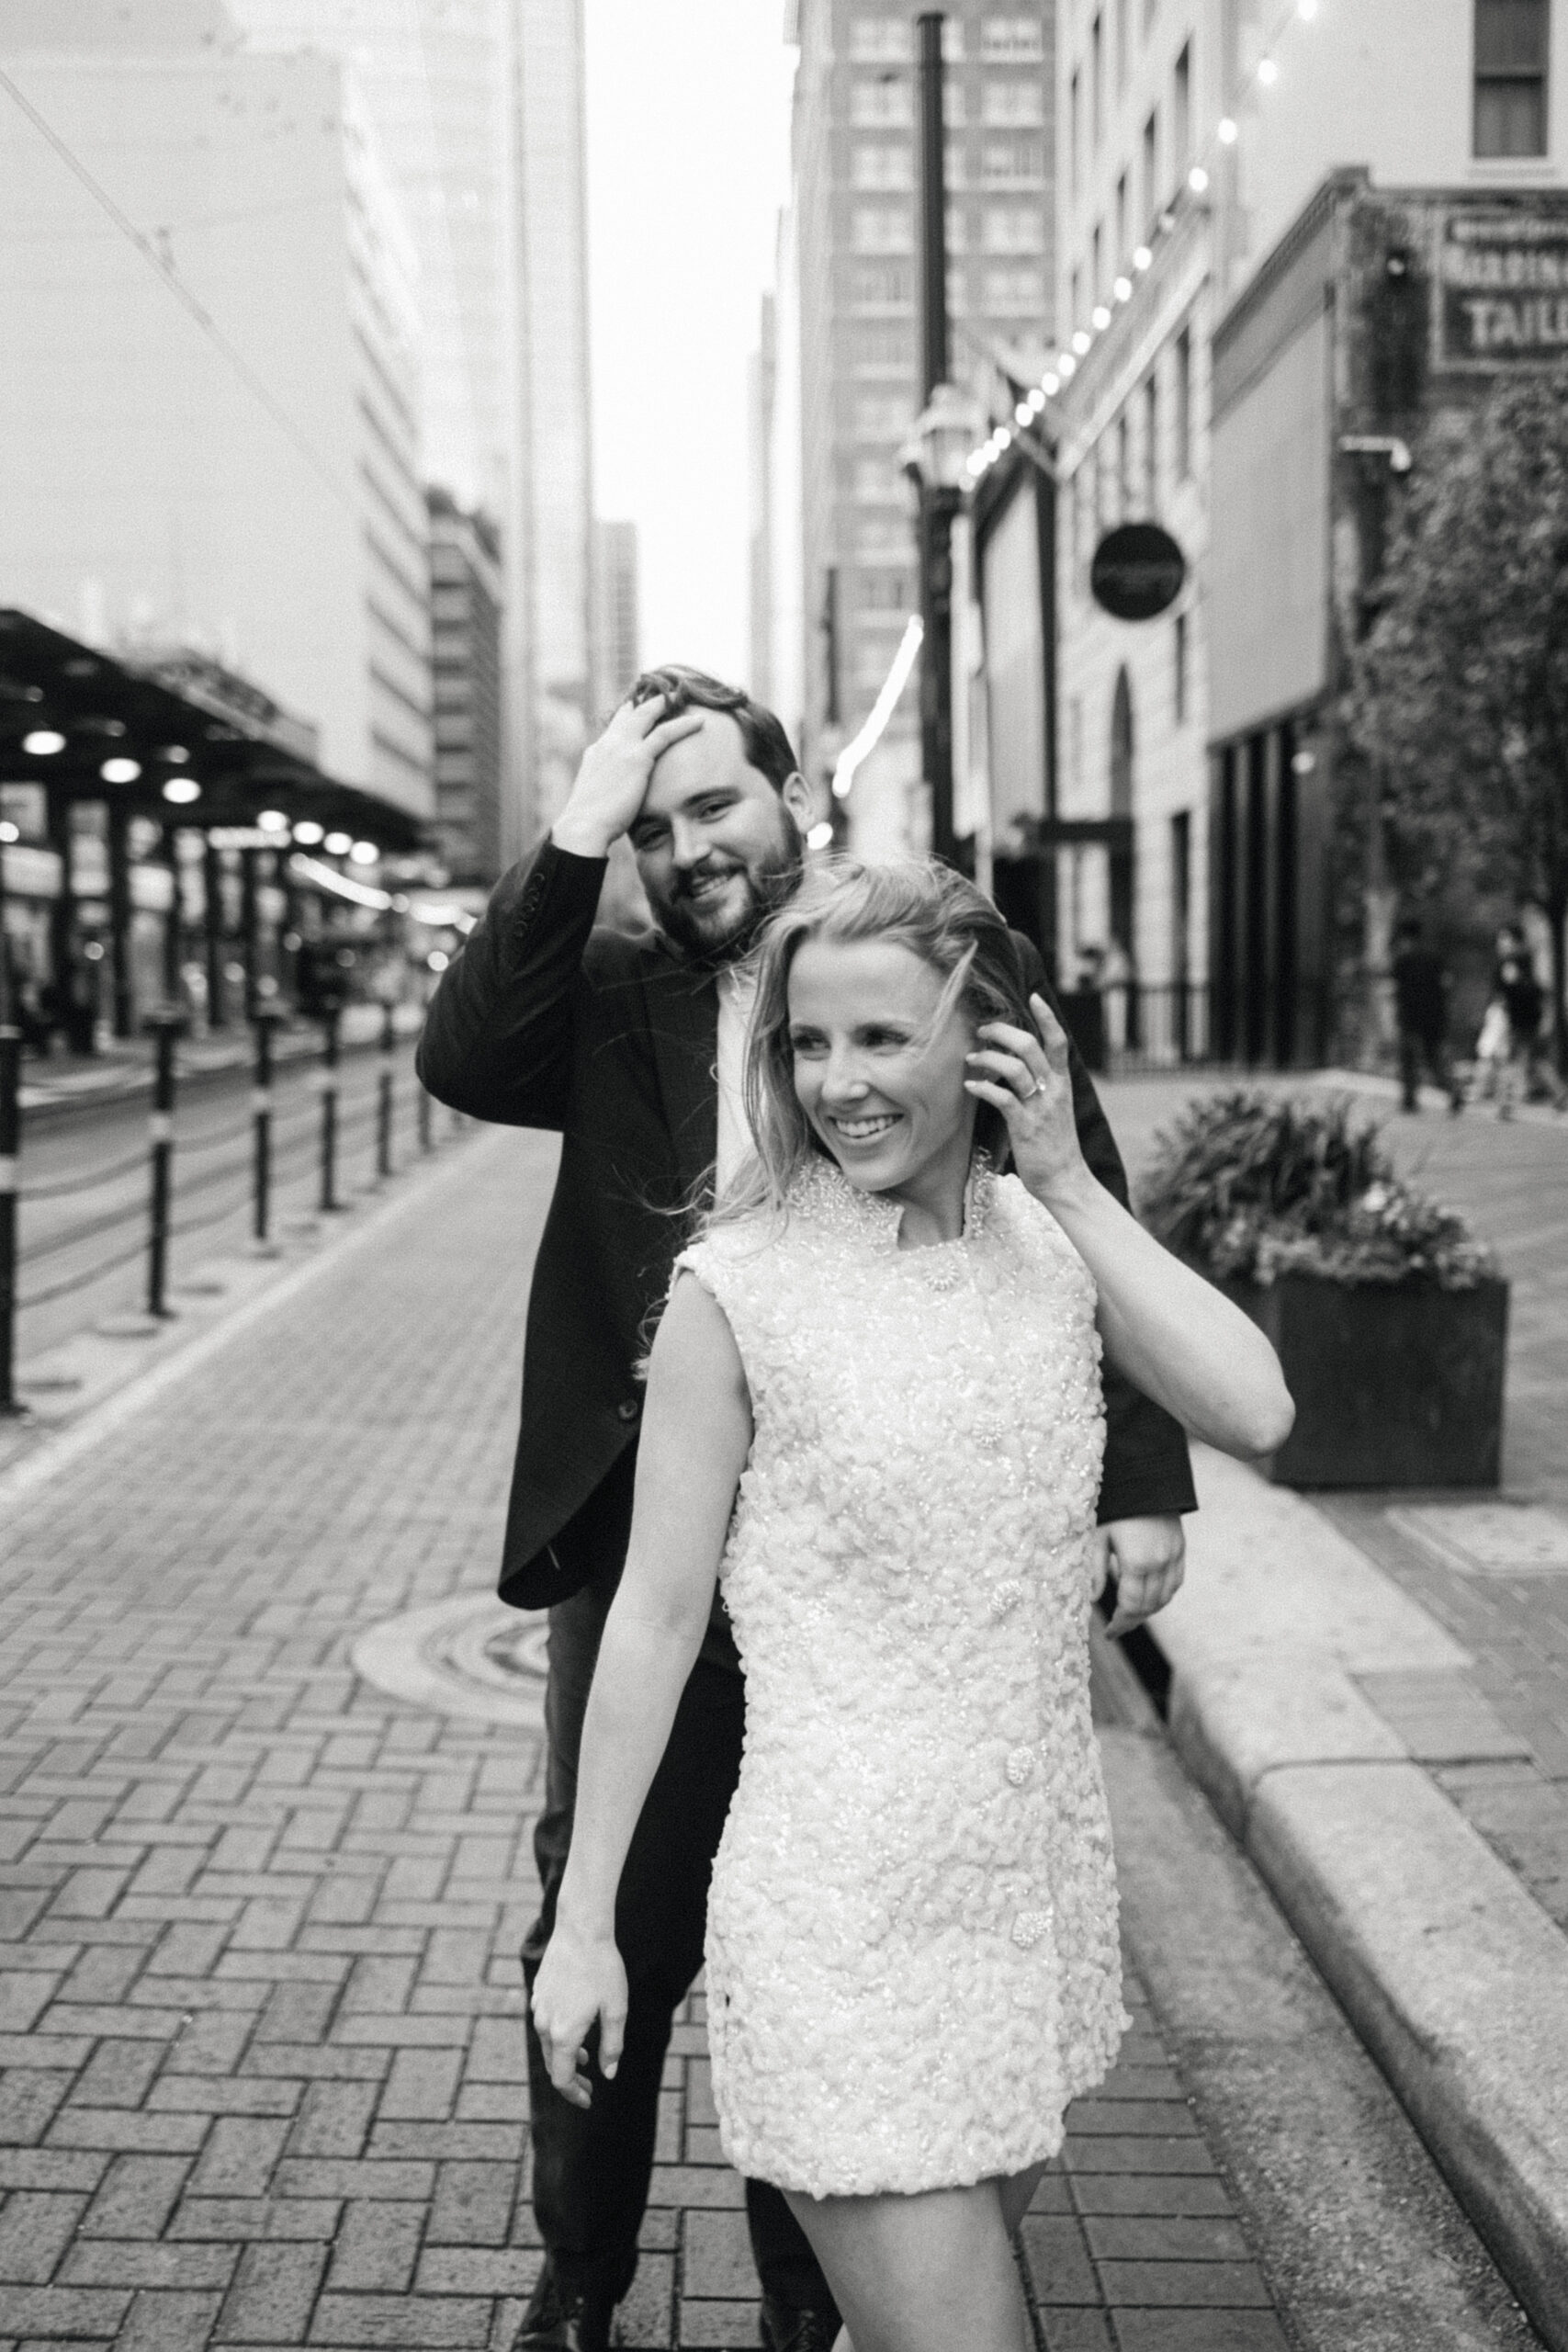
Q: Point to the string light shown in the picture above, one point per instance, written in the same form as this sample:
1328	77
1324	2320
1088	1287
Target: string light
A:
1063	365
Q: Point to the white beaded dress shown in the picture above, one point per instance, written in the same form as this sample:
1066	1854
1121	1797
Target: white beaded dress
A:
912	1956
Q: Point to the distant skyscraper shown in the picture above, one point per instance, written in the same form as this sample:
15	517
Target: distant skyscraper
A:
616	631
856	222
479	106
465	579
763	389
251	485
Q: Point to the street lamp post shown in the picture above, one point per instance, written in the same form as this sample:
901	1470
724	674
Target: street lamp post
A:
939	501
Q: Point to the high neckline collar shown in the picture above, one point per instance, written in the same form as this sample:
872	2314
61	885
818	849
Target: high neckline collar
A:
825	1196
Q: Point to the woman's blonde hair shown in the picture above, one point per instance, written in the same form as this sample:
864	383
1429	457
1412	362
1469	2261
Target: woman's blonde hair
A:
915	904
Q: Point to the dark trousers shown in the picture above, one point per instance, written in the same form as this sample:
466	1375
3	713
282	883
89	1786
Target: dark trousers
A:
1415	1048
591	2167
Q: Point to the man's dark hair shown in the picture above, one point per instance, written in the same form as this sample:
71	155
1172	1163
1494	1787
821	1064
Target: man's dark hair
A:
1409	927
768	748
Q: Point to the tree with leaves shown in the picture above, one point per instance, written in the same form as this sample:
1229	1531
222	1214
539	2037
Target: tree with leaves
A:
1460	690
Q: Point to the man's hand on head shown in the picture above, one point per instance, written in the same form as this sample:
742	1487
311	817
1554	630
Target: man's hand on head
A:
613	777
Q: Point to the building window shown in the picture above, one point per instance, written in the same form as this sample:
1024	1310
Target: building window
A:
882	417
957	229
883	228
953	42
1013	162
880	40
1012	41
958	163
1184	405
1151	166
1013	106
1120	44
884	350
1077	318
1095	82
1181	899
1178	654
882	591
1183	108
1151	447
882	286
881	164
1013	229
1124	466
1097	261
1121	219
1015	293
1074	129
1510	77
886	102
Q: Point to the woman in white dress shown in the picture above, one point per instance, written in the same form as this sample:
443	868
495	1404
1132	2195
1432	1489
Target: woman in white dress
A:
873	1412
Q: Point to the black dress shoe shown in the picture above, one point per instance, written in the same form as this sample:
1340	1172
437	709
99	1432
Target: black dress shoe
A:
560	2319
782	2328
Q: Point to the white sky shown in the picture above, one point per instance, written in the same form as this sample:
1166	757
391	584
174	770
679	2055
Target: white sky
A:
688	150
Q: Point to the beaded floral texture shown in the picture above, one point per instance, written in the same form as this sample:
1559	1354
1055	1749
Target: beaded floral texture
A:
912	1946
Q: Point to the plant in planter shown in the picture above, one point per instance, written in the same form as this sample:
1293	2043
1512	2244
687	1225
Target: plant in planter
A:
1388	1315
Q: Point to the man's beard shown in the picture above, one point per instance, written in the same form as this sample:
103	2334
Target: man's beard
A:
728	931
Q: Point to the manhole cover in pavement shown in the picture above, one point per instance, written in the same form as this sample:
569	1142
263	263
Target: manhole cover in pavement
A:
1489	1539
470	1655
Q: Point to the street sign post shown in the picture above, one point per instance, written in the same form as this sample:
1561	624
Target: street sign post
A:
1137	572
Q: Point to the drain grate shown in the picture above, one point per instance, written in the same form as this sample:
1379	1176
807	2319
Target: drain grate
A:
470	1656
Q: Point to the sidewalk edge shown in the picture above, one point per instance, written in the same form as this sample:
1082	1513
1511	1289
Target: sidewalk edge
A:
1420	1931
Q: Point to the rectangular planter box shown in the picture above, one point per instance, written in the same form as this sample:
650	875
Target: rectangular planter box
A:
1395	1385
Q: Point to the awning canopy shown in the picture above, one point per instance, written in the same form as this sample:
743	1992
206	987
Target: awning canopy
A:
180	721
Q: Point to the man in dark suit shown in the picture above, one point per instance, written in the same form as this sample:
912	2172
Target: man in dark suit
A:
631	1049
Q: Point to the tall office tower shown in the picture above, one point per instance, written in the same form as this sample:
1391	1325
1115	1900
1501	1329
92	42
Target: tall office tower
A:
479	106
617	638
465	599
856	169
762	378
210	417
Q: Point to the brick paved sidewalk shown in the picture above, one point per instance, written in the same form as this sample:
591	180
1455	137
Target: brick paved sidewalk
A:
259	2018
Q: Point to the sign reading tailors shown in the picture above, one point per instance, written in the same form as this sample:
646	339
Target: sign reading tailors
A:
1503	290
1137	571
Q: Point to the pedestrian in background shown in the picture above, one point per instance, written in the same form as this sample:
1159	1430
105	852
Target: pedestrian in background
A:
633	1051
1526	1069
1421	1006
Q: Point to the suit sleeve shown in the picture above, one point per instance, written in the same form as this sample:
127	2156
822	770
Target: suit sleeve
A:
1149	1472
497	1036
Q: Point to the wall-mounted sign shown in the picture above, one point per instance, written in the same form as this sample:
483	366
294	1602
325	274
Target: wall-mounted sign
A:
1503	288
1137	571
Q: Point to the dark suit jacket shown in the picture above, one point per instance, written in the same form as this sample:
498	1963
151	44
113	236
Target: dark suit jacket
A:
611	1042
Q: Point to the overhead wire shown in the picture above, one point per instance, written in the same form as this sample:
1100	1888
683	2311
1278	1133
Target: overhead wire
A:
169	277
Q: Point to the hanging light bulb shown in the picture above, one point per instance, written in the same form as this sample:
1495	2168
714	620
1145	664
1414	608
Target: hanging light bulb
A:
1052	384
1198	180
1122	289
1306	10
1226	133
1267	72
1142	257
1081	343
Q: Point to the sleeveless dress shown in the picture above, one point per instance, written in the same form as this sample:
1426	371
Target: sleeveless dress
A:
912	1954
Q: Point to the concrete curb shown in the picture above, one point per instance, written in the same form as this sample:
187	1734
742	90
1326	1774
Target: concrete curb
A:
1453	1976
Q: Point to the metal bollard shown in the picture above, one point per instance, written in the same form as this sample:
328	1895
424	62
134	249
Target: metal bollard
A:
328	1082
167	1028
10	1153
424	1119
266	1019
384	1093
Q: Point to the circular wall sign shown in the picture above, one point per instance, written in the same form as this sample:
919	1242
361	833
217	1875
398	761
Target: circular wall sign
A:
1137	571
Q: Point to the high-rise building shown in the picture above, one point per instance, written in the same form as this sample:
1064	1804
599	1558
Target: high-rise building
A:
1289	270
856	222
209	414
616	632
479	104
466	607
